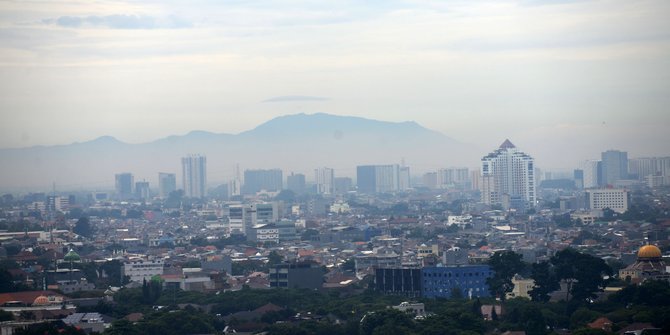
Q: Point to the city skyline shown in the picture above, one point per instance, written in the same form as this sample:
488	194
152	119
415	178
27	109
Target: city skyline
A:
296	143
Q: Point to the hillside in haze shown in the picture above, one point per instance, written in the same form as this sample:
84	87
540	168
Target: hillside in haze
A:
296	143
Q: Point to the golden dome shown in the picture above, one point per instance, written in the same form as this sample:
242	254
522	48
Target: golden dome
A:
649	251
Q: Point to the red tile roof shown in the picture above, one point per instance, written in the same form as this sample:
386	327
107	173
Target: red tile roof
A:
26	297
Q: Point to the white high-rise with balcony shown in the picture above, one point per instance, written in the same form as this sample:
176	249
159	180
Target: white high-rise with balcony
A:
508	172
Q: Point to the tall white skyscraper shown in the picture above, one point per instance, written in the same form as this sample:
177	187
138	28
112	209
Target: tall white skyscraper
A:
508	173
325	180
194	174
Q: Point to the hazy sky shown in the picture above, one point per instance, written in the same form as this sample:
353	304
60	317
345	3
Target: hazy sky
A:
553	76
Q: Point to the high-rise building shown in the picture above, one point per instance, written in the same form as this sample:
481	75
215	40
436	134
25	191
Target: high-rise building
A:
365	179
194	175
257	180
475	177
342	185
325	180
430	180
124	185
57	203
167	183
510	172
234	187
614	166
404	180
378	178
453	178
578	177
296	183
142	190
642	168
591	173
236	213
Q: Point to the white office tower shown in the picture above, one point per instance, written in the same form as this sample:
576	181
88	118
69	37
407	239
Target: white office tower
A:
508	174
194	174
325	180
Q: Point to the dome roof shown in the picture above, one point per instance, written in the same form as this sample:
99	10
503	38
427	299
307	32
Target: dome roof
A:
649	251
72	256
41	300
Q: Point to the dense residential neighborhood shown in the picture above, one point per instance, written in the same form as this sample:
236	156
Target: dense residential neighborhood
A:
273	261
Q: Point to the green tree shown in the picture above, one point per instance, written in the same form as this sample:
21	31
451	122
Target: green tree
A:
122	327
583	273
477	307
274	258
545	281
590	331
6	281
175	199
112	270
505	265
83	227
494	314
582	316
456	293
389	321
49	328
6	316
649	293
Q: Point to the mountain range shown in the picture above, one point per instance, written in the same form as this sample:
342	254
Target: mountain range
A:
294	143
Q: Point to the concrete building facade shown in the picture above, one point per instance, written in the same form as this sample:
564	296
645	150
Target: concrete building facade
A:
508	171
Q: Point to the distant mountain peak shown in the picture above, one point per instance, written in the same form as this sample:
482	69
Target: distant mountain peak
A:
297	142
200	133
105	139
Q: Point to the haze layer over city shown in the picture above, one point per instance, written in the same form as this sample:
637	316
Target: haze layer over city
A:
564	80
395	167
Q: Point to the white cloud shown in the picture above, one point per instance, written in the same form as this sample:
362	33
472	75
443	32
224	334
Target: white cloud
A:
120	21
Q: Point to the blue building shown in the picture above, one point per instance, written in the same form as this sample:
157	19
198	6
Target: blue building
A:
440	281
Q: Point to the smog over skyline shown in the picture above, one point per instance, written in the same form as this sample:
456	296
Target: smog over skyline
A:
317	167
563	80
